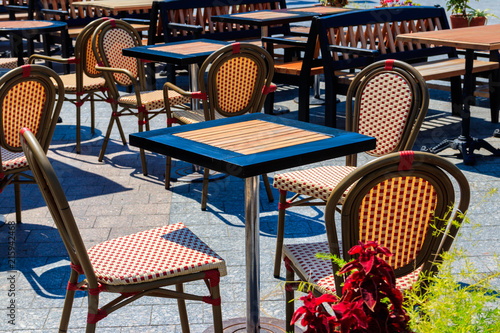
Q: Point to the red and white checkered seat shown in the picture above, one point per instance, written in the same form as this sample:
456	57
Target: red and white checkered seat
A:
320	272
12	160
155	254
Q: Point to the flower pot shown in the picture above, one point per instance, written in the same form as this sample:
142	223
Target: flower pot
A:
460	21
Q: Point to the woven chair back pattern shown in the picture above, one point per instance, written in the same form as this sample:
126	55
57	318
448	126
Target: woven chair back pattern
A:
88	57
398	212
230	79
114	41
386	101
23	106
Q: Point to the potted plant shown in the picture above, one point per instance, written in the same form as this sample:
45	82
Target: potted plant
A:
463	15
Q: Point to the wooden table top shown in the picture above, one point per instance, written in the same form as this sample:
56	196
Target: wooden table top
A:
180	53
320	10
117	5
252	144
484	38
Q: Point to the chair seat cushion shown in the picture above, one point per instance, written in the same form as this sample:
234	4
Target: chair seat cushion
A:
153	100
89	83
320	272
10	63
11	160
192	116
152	255
317	182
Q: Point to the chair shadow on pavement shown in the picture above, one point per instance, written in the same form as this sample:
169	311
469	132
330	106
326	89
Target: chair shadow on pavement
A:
37	257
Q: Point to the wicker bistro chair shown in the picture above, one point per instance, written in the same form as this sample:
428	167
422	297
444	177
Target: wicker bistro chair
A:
108	40
390	103
27	99
393	200
86	83
132	266
238	81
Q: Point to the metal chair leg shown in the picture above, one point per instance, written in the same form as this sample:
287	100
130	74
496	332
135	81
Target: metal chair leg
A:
280	234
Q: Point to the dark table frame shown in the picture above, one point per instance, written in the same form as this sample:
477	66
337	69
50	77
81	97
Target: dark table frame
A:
250	166
17	34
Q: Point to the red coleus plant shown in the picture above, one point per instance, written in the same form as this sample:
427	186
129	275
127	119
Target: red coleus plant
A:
370	301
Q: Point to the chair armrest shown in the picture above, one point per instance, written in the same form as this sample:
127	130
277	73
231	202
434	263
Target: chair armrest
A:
52	59
136	20
355	50
55	12
187	27
175	88
17	8
125	72
285	41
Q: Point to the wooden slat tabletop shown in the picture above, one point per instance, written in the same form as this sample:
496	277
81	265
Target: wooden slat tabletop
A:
322	10
485	37
195	47
117	5
269	14
252	136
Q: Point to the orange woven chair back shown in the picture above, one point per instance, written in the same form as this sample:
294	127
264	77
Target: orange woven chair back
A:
83	49
110	38
390	102
28	99
398	201
237	76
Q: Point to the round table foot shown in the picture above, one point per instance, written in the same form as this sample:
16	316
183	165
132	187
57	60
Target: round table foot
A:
189	173
239	325
313	100
496	133
280	109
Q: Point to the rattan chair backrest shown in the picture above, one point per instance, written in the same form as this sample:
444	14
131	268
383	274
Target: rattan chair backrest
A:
390	102
83	49
399	200
57	203
238	74
108	41
28	99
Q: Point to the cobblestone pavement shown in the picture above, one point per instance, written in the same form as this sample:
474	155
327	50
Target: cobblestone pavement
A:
113	198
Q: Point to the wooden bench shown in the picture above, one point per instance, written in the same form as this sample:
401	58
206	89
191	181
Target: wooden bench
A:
77	18
352	40
179	20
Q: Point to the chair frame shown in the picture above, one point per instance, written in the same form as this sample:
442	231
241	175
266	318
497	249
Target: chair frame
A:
126	79
210	98
85	63
80	263
435	170
53	86
414	121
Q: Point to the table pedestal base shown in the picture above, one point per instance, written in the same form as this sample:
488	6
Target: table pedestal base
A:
239	325
313	100
465	145
280	109
190	173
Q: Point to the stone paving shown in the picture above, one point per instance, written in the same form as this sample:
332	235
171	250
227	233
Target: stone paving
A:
113	198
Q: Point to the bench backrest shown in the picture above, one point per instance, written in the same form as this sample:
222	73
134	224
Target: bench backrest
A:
199	13
376	29
62	10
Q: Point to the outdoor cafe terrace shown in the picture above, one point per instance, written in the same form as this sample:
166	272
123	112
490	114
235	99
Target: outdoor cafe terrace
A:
113	198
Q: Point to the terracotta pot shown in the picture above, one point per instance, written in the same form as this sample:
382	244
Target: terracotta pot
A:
460	21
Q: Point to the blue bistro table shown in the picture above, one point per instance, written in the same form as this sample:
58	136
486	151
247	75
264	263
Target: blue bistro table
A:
17	30
246	147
